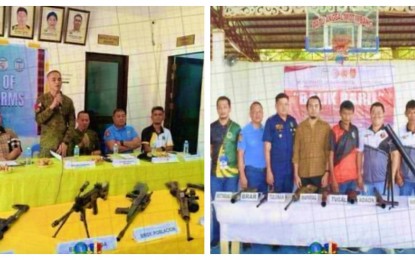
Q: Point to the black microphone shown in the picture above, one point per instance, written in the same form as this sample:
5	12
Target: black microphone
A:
84	186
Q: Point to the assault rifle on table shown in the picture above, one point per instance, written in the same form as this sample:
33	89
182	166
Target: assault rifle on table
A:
83	202
5	223
187	202
140	200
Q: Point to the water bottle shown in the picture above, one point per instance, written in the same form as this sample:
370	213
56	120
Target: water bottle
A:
28	155
186	147
115	149
76	152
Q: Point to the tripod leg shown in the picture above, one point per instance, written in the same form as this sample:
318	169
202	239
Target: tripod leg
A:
391	191
62	221
189	238
83	219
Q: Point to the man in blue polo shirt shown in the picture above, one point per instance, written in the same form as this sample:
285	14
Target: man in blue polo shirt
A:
121	134
251	158
279	141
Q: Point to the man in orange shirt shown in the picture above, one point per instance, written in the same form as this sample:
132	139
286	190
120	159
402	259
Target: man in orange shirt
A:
345	158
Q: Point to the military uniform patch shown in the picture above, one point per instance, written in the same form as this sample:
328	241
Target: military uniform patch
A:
37	107
107	133
279	127
229	135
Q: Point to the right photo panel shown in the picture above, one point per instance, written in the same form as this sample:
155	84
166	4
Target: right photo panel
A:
312	129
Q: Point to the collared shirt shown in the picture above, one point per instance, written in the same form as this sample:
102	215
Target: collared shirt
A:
218	133
311	148
250	141
280	133
377	140
345	144
376	147
407	139
6	134
125	133
150	136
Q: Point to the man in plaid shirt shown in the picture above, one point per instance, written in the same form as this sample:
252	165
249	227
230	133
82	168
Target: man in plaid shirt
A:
10	147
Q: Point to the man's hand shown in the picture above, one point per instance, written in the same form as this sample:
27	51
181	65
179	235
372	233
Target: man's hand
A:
325	180
335	186
270	178
56	101
360	183
243	182
399	179
297	181
62	149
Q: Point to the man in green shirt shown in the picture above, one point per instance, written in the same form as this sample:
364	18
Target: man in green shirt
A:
55	113
85	138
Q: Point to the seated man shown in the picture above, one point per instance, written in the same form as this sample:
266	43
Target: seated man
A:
156	135
85	138
121	134
10	147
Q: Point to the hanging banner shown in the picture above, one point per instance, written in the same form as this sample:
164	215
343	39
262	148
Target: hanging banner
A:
21	72
362	85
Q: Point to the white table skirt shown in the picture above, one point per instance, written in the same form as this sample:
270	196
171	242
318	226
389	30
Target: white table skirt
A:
302	224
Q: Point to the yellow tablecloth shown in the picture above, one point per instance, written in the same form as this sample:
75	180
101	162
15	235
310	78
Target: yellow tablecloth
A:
52	185
32	233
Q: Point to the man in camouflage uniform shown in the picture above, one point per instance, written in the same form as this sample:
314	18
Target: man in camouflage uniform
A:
85	138
55	113
10	147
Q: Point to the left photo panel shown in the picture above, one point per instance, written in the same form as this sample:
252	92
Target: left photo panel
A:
101	130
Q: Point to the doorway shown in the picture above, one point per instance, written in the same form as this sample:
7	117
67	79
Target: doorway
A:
183	95
105	89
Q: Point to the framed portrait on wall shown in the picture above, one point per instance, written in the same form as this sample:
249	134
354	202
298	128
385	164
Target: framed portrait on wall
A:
51	23
2	19
76	26
22	21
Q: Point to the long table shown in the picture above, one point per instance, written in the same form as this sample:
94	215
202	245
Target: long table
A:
32	233
38	186
302	224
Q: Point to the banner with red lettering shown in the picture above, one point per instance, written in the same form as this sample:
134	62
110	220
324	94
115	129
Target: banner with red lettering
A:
363	85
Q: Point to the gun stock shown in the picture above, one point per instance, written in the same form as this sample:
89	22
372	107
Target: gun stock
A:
380	202
303	190
351	196
324	197
140	200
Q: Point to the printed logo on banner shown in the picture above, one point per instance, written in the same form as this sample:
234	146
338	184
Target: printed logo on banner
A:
155	232
19	87
7	252
19	64
88	246
4	64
